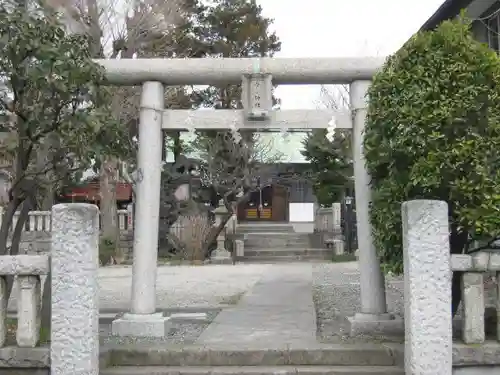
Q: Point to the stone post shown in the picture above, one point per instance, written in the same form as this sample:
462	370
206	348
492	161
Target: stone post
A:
221	255
336	217
427	288
143	319
130	217
473	304
372	283
28	311
234	219
74	346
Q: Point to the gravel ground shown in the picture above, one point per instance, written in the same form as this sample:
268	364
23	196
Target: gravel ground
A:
207	286
182	286
206	289
336	294
179	334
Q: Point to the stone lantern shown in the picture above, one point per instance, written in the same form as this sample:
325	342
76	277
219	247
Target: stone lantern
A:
220	255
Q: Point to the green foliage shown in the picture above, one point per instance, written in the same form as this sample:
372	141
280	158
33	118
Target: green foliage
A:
330	164
228	28
53	93
433	132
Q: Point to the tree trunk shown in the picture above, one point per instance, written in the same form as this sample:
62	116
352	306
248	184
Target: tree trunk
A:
177	149
108	205
49	143
7	217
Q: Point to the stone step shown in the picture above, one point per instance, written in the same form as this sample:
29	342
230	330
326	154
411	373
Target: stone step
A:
283	259
270	238
327	355
288	251
257	228
253	370
276	235
251	245
276	240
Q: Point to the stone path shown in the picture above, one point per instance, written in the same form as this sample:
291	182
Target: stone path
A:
278	311
264	304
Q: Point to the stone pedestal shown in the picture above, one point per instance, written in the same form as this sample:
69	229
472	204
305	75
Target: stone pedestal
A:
138	325
375	324
221	257
239	248
338	247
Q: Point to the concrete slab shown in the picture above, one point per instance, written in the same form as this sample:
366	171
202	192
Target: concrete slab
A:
254	370
329	355
277	311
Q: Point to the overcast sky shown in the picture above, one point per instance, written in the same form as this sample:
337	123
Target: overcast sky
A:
339	28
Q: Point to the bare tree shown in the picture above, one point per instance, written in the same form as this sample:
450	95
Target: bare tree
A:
234	166
334	97
123	30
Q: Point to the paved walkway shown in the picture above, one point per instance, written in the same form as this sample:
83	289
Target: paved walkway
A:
278	311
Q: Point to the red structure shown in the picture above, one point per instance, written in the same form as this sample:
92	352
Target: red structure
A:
90	193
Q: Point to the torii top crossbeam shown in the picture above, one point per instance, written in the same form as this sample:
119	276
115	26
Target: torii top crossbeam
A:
216	71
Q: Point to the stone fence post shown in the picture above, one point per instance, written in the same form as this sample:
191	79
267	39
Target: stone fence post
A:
336	217
130	217
74	348
427	288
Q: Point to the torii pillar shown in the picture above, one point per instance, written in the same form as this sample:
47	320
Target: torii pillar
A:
373	316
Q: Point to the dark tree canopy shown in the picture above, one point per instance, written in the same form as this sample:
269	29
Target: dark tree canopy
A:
433	132
330	165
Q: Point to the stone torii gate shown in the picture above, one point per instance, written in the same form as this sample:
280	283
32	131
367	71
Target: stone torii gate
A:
257	76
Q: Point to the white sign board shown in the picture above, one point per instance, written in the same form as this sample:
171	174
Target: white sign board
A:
301	212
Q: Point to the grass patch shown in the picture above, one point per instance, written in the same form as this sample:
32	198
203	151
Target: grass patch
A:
344	258
11	325
231	300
